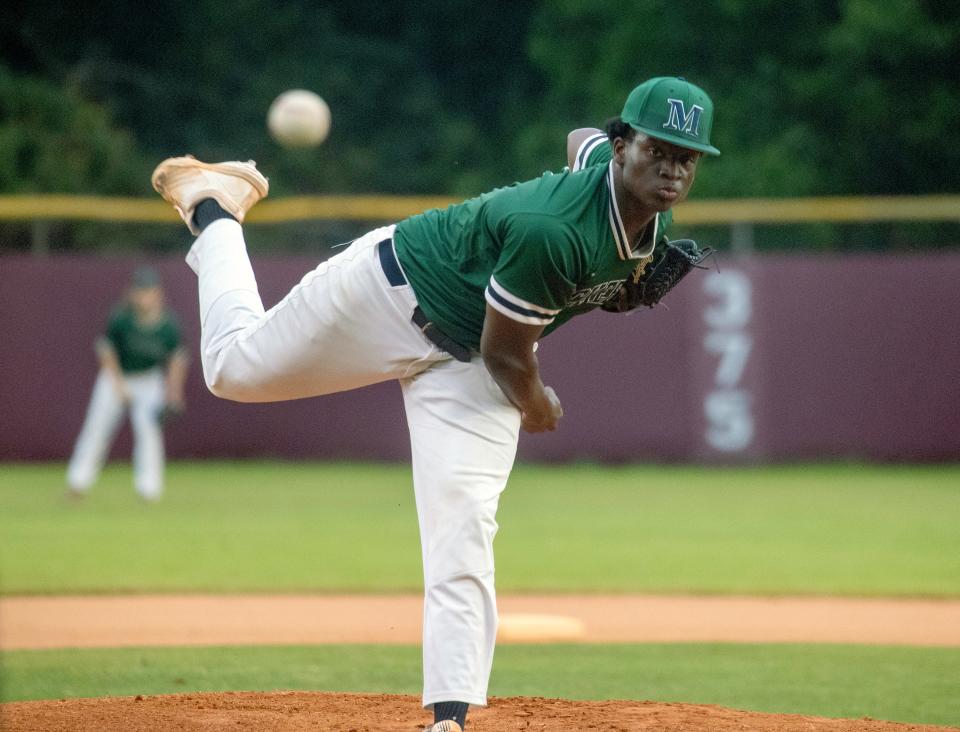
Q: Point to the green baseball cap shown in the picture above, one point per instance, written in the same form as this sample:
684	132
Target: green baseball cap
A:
671	108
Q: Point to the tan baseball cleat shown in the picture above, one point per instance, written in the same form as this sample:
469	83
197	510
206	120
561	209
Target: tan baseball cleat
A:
447	725
186	181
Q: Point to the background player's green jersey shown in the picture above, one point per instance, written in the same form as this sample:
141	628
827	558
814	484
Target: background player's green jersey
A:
539	252
141	347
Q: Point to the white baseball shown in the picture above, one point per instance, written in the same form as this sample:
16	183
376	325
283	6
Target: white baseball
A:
299	118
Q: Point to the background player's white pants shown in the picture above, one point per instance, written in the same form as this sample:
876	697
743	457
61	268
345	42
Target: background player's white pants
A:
104	413
343	326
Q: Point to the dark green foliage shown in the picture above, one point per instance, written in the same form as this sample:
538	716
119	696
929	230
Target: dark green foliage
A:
51	139
816	98
828	97
417	93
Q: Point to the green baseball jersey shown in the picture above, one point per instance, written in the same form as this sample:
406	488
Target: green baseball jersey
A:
141	347
539	252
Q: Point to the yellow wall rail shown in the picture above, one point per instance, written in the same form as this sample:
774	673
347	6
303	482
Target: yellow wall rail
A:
807	210
392	208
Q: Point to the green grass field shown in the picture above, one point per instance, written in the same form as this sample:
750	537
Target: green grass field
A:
269	527
266	527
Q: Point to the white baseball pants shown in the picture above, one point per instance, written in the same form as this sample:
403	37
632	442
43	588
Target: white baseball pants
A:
100	426
342	327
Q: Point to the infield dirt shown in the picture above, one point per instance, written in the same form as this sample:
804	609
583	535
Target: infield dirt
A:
150	620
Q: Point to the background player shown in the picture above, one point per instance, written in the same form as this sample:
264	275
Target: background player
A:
451	304
143	368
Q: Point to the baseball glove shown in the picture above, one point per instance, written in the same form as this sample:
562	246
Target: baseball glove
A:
647	284
169	412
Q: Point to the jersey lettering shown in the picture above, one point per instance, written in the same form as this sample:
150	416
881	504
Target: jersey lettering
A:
596	295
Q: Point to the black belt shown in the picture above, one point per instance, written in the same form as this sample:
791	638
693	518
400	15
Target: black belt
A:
391	268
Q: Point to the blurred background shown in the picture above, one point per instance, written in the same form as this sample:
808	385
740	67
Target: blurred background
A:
829	330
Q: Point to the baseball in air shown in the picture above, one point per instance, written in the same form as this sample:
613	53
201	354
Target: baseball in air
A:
299	118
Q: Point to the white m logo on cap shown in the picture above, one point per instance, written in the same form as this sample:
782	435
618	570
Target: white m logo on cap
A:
682	121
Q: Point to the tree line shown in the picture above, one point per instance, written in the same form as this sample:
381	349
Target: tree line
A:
824	97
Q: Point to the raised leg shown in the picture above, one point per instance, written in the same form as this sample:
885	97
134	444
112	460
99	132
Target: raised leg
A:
340	328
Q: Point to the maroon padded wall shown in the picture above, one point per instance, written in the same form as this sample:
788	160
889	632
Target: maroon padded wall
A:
773	358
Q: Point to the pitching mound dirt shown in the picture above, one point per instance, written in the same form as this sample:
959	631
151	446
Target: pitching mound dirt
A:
296	711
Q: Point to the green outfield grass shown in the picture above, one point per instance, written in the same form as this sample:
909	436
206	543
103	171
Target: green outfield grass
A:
903	684
272	526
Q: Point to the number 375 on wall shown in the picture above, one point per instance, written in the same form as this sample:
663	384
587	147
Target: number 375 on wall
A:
728	405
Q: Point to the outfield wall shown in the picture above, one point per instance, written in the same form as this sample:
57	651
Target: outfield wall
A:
773	358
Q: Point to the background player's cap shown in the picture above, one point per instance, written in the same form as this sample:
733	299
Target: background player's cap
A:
145	277
671	108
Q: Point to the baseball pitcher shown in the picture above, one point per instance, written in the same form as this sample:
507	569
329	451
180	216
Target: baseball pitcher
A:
451	304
